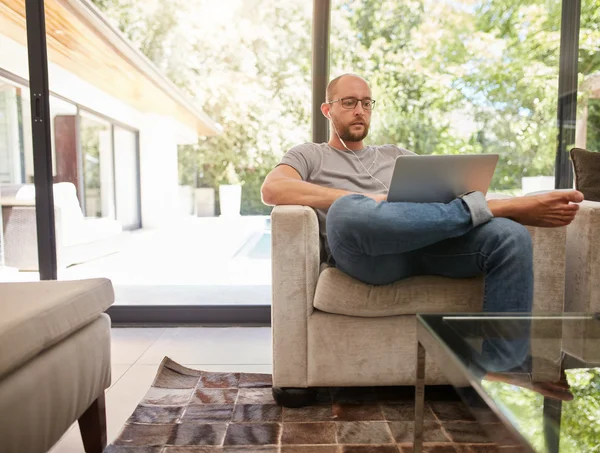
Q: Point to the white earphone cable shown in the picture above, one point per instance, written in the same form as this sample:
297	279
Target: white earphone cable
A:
359	161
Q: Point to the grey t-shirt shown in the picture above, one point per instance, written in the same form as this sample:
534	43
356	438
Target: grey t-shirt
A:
321	164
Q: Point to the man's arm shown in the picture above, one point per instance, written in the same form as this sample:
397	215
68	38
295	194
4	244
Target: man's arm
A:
283	185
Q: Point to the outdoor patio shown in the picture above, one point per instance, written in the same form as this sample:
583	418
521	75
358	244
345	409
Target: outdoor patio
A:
204	261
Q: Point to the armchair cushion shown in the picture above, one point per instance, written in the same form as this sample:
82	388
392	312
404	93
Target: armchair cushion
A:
36	315
409	296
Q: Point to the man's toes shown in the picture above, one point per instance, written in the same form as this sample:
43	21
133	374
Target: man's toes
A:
573	196
565	216
561	219
571	208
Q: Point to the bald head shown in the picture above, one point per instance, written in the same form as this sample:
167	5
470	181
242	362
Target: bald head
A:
331	91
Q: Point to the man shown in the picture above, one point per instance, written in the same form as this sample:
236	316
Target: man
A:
379	242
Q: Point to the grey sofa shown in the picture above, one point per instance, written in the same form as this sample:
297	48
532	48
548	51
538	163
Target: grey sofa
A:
78	238
54	363
332	330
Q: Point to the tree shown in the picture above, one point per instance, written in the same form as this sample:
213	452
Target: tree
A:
468	76
380	40
258	80
593	132
249	70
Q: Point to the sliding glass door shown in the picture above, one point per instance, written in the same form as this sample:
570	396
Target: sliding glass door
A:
170	133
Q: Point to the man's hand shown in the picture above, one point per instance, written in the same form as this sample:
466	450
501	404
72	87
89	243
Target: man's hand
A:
376	196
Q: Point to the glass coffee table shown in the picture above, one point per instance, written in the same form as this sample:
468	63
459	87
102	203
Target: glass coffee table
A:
535	376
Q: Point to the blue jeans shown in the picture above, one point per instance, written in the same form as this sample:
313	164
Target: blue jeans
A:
380	243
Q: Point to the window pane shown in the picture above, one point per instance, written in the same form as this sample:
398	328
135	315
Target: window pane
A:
467	76
96	152
588	112
17	221
64	141
254	81
12	140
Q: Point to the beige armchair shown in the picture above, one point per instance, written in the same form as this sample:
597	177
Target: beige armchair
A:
332	330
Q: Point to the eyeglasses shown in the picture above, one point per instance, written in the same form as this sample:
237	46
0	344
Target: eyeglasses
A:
350	103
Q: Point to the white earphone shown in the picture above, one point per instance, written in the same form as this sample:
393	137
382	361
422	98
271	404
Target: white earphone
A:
359	161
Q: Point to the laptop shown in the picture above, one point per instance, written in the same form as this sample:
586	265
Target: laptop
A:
440	178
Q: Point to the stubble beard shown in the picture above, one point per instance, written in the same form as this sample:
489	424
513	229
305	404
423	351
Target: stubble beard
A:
349	136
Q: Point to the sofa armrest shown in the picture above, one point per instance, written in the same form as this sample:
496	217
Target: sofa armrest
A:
583	260
295	263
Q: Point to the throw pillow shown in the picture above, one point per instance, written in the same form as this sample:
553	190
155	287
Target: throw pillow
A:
587	173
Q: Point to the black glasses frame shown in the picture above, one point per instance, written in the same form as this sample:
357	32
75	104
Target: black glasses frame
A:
367	104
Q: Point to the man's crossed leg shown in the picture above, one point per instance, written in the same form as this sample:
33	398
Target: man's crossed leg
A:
379	243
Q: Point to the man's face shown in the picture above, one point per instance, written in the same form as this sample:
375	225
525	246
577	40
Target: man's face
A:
352	124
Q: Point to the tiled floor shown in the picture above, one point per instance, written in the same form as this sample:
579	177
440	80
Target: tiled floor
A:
137	352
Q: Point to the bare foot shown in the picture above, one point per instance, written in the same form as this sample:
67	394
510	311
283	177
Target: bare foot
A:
552	209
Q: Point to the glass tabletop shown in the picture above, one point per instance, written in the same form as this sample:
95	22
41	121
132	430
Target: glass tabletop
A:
541	372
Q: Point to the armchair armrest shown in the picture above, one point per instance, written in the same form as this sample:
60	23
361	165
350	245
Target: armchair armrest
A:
549	250
295	263
549	256
583	260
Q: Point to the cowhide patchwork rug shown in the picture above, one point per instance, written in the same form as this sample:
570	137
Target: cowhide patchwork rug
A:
190	411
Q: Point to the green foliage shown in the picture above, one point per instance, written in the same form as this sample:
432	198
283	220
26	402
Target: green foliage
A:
523	407
253	179
580	418
380	41
247	66
475	76
90	149
593	126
